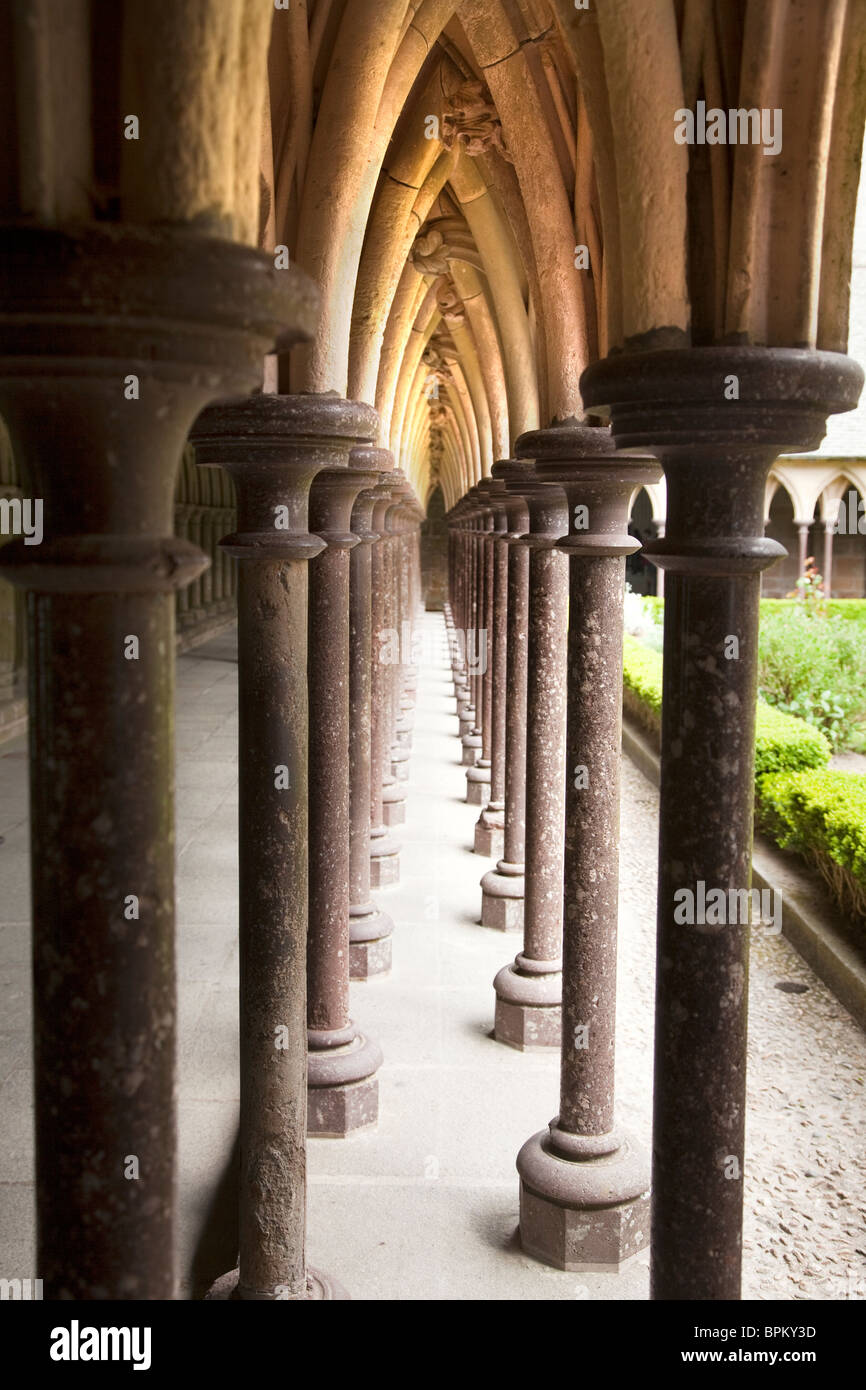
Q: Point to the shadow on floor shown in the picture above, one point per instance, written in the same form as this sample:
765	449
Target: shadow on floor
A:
216	1251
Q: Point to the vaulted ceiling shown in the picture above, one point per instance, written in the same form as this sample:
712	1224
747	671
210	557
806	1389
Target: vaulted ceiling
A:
489	195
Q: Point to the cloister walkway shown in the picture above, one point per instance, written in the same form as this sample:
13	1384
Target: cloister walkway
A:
426	1205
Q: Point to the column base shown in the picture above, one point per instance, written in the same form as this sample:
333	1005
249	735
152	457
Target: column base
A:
478	785
369	942
471	749
319	1286
528	1004
400	763
342	1085
384	861
502	893
490	831
589	1213
394	803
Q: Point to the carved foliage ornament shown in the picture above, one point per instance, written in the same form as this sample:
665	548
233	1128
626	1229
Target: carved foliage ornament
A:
470	120
429	253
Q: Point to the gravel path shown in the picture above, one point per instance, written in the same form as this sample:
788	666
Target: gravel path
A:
805	1177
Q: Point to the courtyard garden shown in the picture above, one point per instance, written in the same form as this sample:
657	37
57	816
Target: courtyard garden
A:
810	768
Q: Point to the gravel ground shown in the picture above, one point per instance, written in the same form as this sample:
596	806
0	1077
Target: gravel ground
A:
805	1175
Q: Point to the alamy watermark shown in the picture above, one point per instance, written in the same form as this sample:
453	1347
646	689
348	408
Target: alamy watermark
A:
20	1290
720	907
413	646
738	126
22	516
850	519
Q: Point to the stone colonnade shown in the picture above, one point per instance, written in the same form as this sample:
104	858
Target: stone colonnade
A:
315	746
587	1190
325	548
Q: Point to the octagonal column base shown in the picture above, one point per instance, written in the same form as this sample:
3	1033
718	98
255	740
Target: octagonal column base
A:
502	895
585	1214
342	1085
384	860
400	763
490	831
528	1004
394	811
471	749
369	942
478	785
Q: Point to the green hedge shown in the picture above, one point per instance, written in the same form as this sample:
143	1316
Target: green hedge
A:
783	743
822	815
799	802
852	609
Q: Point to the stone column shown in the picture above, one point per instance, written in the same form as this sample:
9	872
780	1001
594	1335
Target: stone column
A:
81	310
471	740
827	572
660	575
384	852
182	531
716	454
195	612
343	1090
478	776
274	445
455	618
490	826
528	991
402	623
802	548
369	927
503	887
584	1192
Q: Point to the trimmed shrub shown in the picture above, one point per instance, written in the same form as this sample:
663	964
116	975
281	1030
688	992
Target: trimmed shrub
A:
822	815
782	742
815	668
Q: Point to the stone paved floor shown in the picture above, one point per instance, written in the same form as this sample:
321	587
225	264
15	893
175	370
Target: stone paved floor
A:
425	1206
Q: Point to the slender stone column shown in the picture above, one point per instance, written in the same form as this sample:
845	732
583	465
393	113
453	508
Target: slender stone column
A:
273	446
802	547
343	1089
400	725
182	531
478	776
503	887
660	574
528	992
716	453
490	826
471	624
465	705
455	617
584	1193
827	569
369	927
384	852
82	310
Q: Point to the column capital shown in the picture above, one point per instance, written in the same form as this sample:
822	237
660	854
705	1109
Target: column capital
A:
514	472
547	507
375	463
274	446
90	392
332	501
598	484
717	417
